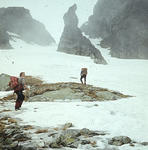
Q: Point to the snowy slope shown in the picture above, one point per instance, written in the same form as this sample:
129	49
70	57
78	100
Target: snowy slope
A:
123	117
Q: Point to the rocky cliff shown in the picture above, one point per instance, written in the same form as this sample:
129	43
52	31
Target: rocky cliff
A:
4	39
122	24
73	42
18	20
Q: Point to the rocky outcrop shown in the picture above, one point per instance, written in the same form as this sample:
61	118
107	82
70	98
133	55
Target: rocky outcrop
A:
18	20
63	91
120	140
4	39
73	138
73	42
4	80
14	136
72	91
122	24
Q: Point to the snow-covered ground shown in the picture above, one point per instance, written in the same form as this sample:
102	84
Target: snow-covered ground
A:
123	117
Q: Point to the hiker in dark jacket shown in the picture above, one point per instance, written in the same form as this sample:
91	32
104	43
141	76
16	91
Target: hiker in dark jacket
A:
83	75
19	91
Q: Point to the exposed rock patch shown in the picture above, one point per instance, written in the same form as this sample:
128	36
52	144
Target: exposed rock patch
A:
14	136
73	42
4	80
25	137
72	91
4	39
144	143
73	138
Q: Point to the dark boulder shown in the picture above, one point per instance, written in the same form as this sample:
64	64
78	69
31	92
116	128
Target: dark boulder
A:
73	42
119	140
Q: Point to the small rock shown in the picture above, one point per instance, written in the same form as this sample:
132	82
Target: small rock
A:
54	145
126	140
131	144
1	139
71	133
67	125
75	144
144	143
119	140
14	145
112	113
85	131
117	143
84	142
68	141
8	141
21	137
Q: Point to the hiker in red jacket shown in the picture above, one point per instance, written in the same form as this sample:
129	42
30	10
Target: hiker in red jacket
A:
83	75
19	91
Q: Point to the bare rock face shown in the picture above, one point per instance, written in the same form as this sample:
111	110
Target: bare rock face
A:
122	24
18	20
70	18
4	80
73	42
4	39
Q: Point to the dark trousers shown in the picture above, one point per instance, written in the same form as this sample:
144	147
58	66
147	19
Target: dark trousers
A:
81	79
20	99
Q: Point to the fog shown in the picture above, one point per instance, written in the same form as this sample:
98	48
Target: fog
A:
50	12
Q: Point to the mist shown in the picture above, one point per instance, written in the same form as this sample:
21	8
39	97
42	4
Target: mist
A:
51	13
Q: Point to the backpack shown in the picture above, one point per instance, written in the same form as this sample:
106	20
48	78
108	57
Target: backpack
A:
84	71
14	83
